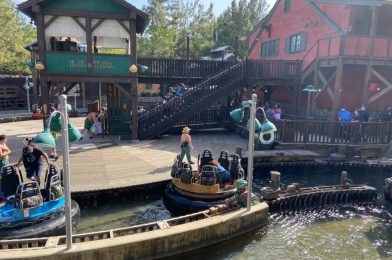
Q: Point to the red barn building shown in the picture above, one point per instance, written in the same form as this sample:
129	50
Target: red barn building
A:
345	46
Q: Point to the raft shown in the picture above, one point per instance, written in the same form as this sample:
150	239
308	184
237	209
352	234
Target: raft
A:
28	211
195	190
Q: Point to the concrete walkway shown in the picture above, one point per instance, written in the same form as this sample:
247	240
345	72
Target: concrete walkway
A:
105	163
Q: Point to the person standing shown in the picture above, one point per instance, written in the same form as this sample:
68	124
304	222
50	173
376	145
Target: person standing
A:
277	112
4	152
31	158
186	144
363	114
345	118
363	118
90	120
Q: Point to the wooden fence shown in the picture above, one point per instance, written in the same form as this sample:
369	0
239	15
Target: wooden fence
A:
305	131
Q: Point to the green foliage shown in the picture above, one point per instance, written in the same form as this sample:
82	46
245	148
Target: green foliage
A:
171	20
14	34
239	20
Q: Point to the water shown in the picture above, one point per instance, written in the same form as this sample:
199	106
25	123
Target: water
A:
360	231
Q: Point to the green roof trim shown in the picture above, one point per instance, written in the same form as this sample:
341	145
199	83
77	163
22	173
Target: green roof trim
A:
100	6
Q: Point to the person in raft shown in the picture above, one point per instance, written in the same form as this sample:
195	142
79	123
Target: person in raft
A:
91	118
186	144
223	174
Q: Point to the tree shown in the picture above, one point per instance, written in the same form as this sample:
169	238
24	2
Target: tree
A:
237	21
170	21
14	34
200	26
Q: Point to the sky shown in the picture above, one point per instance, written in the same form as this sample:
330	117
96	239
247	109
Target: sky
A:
219	5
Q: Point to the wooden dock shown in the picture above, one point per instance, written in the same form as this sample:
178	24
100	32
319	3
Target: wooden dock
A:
107	163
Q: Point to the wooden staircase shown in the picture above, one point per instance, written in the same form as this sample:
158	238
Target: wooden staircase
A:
163	117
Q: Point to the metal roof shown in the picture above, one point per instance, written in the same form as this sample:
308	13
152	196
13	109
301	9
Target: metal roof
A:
222	48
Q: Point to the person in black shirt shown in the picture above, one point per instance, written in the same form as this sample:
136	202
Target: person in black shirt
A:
32	162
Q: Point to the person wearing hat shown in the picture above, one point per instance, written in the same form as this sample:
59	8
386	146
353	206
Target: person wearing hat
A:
363	114
186	144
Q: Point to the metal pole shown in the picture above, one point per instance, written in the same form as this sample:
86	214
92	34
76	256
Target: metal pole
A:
75	108
308	105
187	46
28	99
251	149
67	177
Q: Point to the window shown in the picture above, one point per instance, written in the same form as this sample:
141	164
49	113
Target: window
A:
296	43
287	6
270	48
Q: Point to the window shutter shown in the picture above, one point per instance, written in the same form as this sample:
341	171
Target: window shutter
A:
304	39
287	45
277	47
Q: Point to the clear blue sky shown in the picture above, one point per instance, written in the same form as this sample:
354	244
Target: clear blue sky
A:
219	6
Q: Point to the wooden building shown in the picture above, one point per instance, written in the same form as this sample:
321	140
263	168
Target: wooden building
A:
345	47
89	41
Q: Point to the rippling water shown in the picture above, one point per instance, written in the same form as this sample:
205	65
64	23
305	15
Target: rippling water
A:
360	231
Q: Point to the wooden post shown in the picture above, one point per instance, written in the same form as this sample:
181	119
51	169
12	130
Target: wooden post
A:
316	85
369	65
338	88
40	22
90	65
134	80
100	95
294	102
83	91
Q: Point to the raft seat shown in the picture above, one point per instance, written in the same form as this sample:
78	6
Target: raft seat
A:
56	191
28	195
236	170
177	166
186	174
205	158
208	175
10	179
224	160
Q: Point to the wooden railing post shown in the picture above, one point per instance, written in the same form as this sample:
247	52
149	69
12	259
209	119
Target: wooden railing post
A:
342	45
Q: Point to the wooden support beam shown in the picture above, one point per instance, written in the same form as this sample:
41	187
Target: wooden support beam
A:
366	81
338	88
322	78
380	77
330	94
50	21
123	26
70	87
95	26
382	92
134	80
57	89
89	43
369	65
123	90
326	84
79	23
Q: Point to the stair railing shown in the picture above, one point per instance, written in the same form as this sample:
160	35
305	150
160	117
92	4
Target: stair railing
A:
189	103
